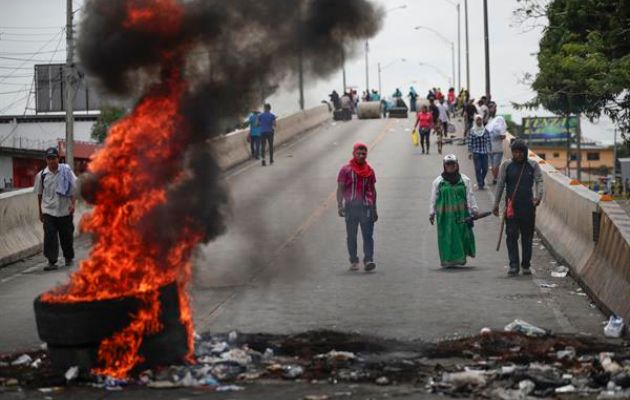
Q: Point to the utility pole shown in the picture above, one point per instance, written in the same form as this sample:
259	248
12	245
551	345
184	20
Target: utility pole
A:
453	61
467	48
69	77
486	40
379	80
614	171
367	66
343	68
578	132
459	50
301	77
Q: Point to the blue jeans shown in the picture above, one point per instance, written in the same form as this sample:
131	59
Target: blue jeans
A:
481	168
360	215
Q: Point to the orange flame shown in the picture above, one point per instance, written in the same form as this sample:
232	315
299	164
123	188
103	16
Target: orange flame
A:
143	156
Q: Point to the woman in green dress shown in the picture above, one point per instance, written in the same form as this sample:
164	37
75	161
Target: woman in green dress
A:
452	201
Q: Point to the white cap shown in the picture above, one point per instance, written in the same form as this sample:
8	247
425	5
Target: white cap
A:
450	158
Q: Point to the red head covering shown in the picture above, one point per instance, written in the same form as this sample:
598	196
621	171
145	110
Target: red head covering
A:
363	170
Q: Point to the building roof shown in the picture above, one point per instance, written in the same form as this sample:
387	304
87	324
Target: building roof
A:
21	119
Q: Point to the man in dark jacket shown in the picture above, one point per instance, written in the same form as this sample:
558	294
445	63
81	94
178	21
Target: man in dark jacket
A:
521	178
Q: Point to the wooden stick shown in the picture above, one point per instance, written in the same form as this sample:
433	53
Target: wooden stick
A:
501	232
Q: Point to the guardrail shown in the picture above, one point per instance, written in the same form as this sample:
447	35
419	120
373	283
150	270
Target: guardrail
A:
21	233
589	234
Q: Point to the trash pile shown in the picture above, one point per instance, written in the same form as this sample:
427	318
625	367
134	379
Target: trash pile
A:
522	362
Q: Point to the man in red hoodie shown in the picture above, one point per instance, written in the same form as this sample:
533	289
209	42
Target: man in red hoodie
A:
356	202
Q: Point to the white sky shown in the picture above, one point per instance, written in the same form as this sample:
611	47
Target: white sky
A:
511	53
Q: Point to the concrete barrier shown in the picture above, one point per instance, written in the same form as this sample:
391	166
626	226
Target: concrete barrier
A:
565	221
233	148
21	232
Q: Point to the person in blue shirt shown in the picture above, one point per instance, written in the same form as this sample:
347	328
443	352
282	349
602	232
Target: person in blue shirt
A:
254	134
267	125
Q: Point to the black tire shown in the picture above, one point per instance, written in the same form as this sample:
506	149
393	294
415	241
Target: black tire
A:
87	323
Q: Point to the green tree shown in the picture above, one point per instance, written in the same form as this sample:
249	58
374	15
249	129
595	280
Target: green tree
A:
109	115
584	58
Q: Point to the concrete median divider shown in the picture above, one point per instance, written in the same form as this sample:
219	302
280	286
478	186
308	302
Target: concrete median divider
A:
590	235
21	232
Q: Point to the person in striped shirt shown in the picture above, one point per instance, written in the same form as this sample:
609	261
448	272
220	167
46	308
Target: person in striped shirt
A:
479	146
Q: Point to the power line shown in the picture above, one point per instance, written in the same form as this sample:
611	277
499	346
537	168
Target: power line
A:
25	34
16	91
34	28
25	59
14	68
30	53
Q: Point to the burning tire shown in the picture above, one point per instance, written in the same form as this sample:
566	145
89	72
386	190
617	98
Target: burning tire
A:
74	331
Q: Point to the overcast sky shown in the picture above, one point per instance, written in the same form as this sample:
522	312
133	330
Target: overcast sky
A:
31	32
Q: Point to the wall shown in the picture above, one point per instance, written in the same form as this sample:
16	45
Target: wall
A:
6	170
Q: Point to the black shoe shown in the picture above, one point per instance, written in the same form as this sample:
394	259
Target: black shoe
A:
369	266
494	182
264	163
69	262
527	271
513	271
51	267
270	162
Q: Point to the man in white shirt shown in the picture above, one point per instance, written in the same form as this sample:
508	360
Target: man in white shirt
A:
497	128
55	187
443	116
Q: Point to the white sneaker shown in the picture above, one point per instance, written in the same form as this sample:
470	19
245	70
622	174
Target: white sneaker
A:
354	266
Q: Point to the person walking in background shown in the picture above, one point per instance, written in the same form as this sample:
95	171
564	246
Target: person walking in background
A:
435	113
356	202
451	100
267	124
413	97
497	127
443	117
55	187
522	181
452	201
254	134
627	185
469	116
424	122
478	150
482	109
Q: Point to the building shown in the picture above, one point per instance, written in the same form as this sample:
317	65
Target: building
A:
24	138
597	160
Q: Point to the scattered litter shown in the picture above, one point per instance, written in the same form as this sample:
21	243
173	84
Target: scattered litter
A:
316	397
229	388
614	327
37	363
232	337
568	353
292	371
382	381
162	385
114	384
526	386
53	389
485	331
608	364
22	360
566	389
337	356
460	379
546	285
72	373
560	272
525	328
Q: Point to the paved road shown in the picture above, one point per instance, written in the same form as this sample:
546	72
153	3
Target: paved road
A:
283	265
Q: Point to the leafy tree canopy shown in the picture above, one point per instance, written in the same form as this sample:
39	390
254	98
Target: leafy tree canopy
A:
109	115
584	58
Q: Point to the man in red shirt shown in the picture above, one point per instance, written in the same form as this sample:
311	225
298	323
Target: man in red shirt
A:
356	202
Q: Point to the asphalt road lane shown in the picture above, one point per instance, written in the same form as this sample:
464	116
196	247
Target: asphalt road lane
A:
282	267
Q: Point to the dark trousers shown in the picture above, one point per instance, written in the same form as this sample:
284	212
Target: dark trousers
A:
521	225
58	229
254	145
267	138
360	215
425	134
481	168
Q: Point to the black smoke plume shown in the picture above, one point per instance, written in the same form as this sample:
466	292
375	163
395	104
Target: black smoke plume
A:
225	49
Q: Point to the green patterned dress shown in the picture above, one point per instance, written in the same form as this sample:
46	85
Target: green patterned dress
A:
455	239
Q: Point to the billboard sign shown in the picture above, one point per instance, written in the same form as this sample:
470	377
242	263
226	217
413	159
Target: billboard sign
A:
50	87
552	129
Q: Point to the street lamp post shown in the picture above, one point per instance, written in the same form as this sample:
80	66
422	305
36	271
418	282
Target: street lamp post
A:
380	89
486	40
436	69
444	38
467	50
367	48
459	44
